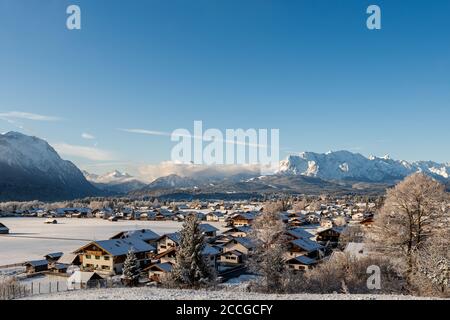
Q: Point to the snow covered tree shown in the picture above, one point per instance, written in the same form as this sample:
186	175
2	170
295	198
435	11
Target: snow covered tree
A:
414	210
433	261
131	269
191	268
267	258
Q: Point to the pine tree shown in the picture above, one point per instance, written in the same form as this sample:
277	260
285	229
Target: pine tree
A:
131	269
191	268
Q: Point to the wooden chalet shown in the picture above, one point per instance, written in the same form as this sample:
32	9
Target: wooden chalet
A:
242	219
156	271
301	263
329	234
237	232
36	266
167	241
108	256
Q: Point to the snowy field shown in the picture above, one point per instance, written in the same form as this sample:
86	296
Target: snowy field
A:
169	294
31	239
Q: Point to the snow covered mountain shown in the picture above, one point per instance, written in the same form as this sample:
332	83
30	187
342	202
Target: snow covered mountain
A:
114	182
345	165
31	169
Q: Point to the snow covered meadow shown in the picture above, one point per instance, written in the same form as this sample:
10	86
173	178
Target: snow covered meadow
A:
31	238
146	293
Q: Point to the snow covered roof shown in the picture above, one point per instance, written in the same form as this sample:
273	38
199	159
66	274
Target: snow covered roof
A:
54	255
209	250
246	242
119	247
67	258
303	260
205	227
166	266
142	234
83	276
37	263
306	244
245	229
175	236
300	233
245	215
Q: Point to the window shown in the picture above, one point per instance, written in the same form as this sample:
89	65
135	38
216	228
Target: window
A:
88	256
106	258
105	267
97	257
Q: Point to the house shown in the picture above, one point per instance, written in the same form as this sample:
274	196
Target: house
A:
70	259
208	230
162	214
146	235
232	257
59	268
167	256
330	234
74	212
301	263
243	245
299	233
156	271
108	256
3	229
83	279
237	232
210	254
215	216
222	239
167	241
297	221
242	219
36	266
302	246
53	257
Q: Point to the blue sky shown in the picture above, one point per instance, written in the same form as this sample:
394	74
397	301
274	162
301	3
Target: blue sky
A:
310	68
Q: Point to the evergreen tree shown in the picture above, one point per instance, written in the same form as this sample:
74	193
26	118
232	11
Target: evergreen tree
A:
191	267
131	269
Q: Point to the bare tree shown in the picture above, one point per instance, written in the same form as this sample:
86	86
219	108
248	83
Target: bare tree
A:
413	211
267	258
433	276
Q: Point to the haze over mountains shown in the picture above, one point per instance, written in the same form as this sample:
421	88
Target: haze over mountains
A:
30	169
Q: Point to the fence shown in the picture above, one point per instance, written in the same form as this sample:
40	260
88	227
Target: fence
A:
15	289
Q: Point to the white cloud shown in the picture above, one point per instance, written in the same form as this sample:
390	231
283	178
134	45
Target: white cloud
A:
90	153
165	168
27	116
147	132
87	136
161	133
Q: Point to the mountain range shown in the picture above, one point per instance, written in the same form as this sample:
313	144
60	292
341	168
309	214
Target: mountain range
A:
115	182
31	169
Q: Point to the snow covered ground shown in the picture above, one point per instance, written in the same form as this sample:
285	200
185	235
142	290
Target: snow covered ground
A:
146	293
31	238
